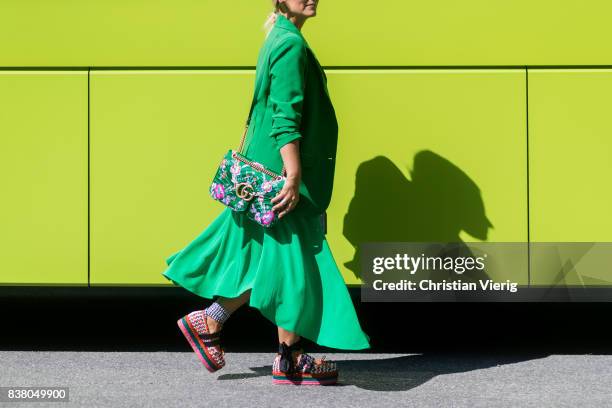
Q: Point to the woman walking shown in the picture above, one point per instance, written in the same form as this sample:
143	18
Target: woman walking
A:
287	271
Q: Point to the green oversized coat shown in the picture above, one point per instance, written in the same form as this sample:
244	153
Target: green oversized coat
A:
291	101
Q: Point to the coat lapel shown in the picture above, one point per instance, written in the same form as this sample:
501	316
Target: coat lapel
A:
284	23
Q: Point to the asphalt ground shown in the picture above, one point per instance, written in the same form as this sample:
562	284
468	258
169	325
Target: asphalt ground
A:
123	348
178	379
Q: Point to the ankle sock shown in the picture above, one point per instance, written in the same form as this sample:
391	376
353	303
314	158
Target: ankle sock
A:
217	312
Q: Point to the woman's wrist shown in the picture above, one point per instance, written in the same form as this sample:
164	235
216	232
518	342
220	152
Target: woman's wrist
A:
294	176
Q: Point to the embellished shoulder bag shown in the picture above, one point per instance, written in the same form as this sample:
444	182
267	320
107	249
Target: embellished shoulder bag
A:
247	186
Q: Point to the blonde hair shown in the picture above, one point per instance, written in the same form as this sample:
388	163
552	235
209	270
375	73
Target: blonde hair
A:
271	17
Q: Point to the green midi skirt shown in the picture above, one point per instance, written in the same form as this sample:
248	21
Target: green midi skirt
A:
294	280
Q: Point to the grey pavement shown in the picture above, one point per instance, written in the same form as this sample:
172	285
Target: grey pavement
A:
178	379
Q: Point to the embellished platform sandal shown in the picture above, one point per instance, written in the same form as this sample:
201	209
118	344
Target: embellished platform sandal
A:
306	370
206	345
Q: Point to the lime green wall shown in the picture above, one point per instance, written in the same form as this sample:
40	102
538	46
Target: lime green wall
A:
43	174
106	170
345	33
570	154
436	155
157	138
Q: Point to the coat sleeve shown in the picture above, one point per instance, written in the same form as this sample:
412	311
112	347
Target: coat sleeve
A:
287	84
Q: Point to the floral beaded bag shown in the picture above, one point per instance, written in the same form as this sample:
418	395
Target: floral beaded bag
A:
247	186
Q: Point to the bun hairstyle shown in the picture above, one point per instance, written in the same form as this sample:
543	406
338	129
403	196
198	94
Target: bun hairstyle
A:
272	17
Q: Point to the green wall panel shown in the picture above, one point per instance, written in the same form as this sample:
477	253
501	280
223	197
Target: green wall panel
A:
570	161
396	32
157	138
434	155
43	173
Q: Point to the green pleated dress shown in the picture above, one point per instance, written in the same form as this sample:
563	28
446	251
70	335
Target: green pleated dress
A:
291	272
290	269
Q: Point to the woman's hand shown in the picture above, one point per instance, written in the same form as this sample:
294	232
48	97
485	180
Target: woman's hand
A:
288	197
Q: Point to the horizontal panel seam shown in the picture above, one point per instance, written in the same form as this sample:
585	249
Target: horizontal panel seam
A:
327	67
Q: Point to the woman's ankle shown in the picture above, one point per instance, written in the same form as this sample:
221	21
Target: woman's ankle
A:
292	343
296	349
213	325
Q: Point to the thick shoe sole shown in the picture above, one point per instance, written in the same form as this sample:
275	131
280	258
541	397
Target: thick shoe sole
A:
196	344
304	379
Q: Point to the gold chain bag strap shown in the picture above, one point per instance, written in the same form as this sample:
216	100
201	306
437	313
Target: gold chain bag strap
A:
247	186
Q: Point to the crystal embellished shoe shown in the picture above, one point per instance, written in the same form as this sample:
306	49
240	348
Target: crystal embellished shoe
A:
206	345
305	371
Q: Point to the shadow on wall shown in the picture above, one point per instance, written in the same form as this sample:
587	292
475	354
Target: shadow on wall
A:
437	203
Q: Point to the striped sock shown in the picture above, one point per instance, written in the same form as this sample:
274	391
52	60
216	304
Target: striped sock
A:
217	312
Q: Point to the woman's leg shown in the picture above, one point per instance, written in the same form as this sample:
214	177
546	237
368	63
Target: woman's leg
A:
230	305
287	336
